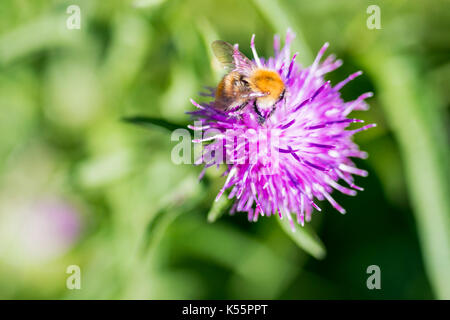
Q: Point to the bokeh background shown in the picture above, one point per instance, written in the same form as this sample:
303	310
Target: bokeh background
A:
79	186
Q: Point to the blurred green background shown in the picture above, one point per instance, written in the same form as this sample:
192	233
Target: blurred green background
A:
78	186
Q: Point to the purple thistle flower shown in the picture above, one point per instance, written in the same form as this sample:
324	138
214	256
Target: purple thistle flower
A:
298	154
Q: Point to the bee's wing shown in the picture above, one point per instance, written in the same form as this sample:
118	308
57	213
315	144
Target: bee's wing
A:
230	57
224	53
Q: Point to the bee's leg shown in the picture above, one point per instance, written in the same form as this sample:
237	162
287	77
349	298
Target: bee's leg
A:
240	107
261	118
236	108
234	112
281	97
271	112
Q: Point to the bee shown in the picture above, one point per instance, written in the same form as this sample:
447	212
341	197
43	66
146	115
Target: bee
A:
246	81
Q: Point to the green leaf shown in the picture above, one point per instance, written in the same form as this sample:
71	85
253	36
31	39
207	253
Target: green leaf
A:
218	208
150	122
305	238
185	197
412	110
239	252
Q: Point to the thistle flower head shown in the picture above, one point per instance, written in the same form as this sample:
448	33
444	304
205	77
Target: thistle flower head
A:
302	151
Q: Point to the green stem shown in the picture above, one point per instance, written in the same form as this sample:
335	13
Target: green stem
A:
413	114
